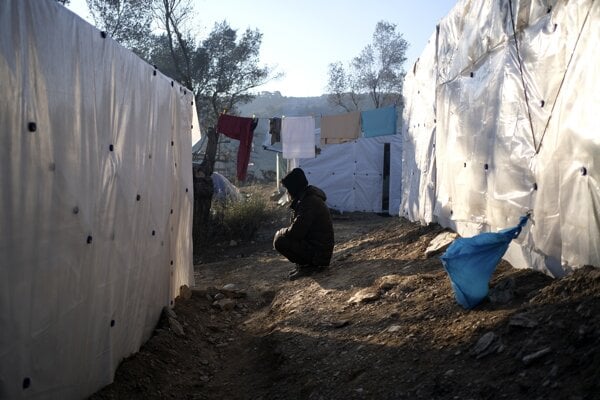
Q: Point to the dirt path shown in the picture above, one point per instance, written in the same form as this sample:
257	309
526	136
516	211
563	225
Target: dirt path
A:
380	323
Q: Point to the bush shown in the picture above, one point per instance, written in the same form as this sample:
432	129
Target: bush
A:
236	220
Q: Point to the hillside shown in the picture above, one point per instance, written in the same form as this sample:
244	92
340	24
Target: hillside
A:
380	323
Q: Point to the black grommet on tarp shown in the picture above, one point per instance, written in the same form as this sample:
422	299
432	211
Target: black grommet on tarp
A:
171	262
171	211
172	143
535	186
153	233
111	147
32	127
192	103
26	383
103	34
549	10
184	92
472	74
451	212
583	171
149	156
186	190
172	84
138	197
75	210
171	302
89	239
542	103
465	165
112	323
485	166
154	73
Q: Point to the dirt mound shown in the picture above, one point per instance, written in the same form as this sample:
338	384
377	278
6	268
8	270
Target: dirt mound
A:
380	323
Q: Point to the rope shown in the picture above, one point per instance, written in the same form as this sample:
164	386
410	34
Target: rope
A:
537	150
512	19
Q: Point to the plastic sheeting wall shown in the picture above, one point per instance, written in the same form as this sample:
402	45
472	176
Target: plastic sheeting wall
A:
95	201
351	174
500	121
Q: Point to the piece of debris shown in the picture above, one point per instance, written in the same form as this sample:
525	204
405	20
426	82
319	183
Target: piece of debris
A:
503	292
440	243
232	243
224	304
394	328
487	344
522	320
168	312
219	296
176	327
528	359
365	295
185	292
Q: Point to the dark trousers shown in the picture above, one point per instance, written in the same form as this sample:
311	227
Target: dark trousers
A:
297	251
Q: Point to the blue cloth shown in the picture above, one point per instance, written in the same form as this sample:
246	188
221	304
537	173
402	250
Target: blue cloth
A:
379	122
470	262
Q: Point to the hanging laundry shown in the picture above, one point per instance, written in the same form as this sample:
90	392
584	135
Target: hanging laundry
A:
298	137
379	122
242	129
275	129
340	128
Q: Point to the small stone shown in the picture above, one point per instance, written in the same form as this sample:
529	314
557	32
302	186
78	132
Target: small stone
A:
440	243
232	243
522	320
219	296
168	312
394	328
176	327
185	292
225	304
209	297
365	295
528	359
487	344
231	286
450	372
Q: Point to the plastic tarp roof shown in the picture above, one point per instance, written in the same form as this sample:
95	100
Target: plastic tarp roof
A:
95	201
351	174
500	120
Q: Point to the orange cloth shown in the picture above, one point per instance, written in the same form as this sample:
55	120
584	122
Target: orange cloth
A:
340	128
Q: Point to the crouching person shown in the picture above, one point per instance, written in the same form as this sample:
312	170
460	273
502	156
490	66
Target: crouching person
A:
308	241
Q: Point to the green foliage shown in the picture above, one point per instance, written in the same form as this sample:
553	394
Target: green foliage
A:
374	78
235	220
221	69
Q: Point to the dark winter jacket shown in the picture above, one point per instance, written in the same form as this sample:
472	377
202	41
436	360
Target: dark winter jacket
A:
312	223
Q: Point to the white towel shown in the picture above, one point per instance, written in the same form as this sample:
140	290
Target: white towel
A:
298	137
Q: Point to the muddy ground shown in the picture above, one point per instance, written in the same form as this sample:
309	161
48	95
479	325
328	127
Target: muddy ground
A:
380	323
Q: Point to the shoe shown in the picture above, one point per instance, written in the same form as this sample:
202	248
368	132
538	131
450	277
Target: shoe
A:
303	270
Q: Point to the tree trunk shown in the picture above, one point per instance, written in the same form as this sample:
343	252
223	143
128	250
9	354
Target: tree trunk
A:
203	190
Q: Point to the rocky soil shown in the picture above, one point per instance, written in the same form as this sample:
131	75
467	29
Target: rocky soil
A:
380	323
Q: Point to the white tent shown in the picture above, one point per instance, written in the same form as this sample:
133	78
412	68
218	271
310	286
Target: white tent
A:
500	121
95	201
354	175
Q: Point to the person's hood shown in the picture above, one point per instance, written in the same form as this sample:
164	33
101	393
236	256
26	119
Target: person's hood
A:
295	182
313	190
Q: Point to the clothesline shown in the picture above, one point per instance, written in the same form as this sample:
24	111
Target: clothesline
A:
297	134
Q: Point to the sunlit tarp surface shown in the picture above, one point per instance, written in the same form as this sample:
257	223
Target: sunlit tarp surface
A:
95	201
352	174
500	120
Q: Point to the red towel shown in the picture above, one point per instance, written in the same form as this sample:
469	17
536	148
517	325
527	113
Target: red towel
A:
241	129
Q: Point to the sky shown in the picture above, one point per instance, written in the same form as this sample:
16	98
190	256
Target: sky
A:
301	38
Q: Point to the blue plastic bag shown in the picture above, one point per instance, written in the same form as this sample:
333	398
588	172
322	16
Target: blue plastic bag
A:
470	262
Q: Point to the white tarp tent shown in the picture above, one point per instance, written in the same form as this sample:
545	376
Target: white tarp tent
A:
500	121
95	201
352	174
